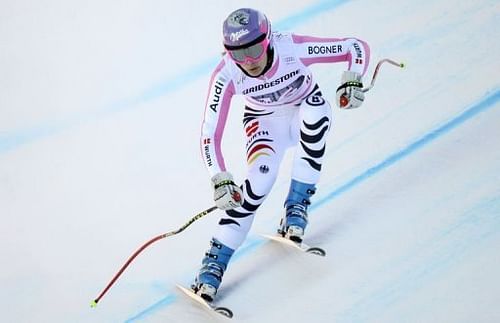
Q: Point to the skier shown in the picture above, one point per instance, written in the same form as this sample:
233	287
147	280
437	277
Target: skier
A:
284	108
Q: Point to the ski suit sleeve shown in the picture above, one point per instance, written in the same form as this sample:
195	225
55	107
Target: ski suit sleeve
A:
220	92
313	50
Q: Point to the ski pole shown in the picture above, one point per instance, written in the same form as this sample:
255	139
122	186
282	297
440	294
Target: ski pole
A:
375	73
147	244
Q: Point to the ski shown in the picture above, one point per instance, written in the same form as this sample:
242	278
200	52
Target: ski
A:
299	246
224	311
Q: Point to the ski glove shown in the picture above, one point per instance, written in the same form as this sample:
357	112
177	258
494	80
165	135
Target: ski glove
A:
227	195
350	94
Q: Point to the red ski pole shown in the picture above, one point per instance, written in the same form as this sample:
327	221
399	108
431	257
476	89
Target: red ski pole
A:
147	244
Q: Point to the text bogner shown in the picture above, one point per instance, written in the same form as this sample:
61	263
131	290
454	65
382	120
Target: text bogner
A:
333	49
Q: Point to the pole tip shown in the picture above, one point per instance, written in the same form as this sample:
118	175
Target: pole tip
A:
402	65
93	304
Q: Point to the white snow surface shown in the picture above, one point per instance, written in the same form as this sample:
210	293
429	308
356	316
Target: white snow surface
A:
101	104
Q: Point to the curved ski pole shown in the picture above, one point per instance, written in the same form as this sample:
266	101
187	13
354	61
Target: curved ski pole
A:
375	73
147	244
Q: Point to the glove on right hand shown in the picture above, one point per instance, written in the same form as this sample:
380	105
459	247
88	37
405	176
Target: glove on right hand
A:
350	94
227	195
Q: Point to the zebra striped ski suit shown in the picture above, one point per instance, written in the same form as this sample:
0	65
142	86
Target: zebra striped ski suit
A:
284	108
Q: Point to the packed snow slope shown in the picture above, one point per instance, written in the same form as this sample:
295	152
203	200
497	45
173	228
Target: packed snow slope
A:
100	110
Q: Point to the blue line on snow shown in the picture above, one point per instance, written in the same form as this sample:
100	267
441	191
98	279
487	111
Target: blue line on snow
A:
15	139
474	228
488	101
167	300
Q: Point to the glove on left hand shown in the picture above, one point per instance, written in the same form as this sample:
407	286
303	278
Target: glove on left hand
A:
227	195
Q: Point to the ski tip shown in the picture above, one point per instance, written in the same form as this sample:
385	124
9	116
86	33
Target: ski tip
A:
93	304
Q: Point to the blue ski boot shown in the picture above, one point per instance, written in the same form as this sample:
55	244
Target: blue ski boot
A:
214	264
294	223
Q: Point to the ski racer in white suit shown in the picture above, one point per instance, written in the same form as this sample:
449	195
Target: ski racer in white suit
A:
284	108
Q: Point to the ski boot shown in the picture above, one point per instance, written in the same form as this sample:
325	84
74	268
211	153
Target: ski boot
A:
214	264
293	224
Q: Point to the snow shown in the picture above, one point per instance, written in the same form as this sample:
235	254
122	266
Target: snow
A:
100	111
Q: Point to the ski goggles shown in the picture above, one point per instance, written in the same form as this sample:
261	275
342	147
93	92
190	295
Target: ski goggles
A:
253	53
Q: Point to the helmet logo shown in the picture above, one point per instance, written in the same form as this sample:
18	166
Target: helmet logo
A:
244	26
239	18
237	35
